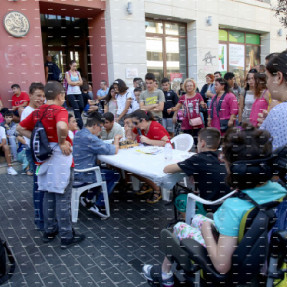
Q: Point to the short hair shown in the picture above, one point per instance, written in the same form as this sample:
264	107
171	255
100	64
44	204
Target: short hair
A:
36	86
8	114
70	116
189	80
53	89
211	136
165	80
129	116
247	143
278	64
137	79
109	116
143	115
104	82
217	72
229	76
150	76
85	87
94	118
137	89
15	86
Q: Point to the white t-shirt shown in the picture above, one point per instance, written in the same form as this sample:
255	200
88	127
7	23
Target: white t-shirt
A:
71	135
121	101
27	111
2	134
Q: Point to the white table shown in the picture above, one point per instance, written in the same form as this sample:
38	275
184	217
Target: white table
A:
147	165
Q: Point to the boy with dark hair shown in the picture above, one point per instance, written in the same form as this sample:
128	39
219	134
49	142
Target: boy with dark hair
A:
111	128
87	146
55	175
207	170
152	99
10	130
217	75
171	99
234	88
20	100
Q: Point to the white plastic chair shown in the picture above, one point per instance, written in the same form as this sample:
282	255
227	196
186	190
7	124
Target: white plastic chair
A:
77	191
183	142
192	198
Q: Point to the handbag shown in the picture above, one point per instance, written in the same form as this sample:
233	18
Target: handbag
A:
224	125
193	122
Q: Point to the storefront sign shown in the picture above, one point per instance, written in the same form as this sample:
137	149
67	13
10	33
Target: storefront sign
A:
222	57
16	24
131	73
236	55
177	77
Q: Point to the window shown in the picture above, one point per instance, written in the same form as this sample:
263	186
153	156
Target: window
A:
238	52
166	48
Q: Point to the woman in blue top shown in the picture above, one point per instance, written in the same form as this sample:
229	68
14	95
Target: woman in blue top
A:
74	92
240	144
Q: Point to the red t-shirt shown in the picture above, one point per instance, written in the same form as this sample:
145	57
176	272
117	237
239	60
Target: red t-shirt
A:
156	132
17	101
53	115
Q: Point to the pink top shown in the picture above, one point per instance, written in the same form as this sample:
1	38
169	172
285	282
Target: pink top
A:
258	106
1	118
229	107
191	106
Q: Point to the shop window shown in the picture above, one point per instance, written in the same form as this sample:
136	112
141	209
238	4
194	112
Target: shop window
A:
166	49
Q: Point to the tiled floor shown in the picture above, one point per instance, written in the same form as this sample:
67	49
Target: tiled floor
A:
111	255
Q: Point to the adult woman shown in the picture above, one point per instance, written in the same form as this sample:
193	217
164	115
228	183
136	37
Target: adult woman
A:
150	132
111	102
275	122
191	101
74	93
223	108
247	97
124	100
249	145
261	98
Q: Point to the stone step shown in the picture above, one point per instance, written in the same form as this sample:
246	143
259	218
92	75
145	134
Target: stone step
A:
3	166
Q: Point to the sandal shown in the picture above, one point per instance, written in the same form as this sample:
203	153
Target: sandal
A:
153	274
155	197
144	189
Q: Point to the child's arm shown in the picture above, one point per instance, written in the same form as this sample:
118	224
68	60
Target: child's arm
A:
21	140
172	168
220	252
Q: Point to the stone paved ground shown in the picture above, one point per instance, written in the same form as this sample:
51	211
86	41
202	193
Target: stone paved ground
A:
109	256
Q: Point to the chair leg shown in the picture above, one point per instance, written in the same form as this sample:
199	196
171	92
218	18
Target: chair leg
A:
106	198
75	205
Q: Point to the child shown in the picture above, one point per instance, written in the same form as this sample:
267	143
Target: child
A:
10	129
73	126
249	145
136	101
21	155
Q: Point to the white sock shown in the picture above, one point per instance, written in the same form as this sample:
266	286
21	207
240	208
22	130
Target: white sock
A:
166	275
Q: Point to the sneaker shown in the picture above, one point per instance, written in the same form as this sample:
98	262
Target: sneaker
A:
86	203
11	170
155	197
101	211
76	239
147	272
48	237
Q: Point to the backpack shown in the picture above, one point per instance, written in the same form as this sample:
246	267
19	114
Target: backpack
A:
6	252
39	144
57	75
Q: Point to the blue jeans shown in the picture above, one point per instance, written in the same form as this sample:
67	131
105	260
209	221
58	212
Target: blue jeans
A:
57	211
13	146
112	178
38	195
77	103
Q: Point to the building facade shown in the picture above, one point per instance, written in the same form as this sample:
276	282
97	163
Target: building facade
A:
126	38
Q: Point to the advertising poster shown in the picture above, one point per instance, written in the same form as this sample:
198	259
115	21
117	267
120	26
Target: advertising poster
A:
236	56
222	57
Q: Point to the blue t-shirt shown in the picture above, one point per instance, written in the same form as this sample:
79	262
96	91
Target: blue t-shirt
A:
101	93
228	217
86	147
275	124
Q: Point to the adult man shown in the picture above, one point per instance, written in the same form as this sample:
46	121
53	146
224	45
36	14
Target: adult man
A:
152	99
20	100
208	172
171	99
234	88
87	146
55	175
52	71
37	98
6	150
111	128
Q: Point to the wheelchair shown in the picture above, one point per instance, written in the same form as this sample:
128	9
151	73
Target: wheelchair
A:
259	260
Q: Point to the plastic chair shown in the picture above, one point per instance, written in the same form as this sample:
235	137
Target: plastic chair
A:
78	190
183	142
